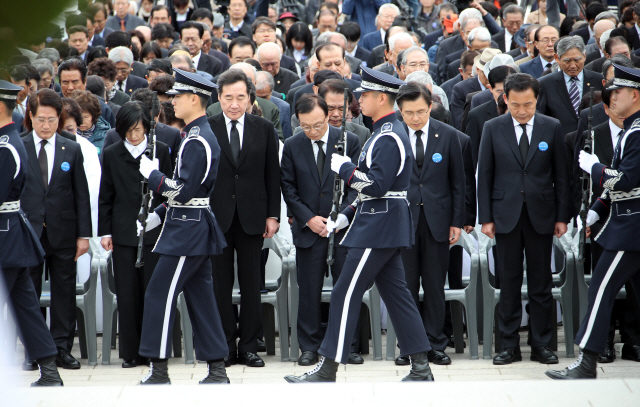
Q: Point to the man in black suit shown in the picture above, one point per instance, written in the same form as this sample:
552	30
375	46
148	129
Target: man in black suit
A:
56	202
487	111
264	30
123	39
523	201
79	39
238	23
125	81
562	91
307	185
246	203
351	31
437	200
613	46
191	35
592	12
465	72
512	20
99	15
633	33
269	55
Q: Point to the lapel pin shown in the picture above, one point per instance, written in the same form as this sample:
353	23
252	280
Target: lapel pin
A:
63	148
588	84
436	135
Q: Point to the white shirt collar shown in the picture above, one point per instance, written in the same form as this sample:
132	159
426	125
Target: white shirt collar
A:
424	137
482	87
240	120
615	130
136	151
324	139
37	140
590	31
544	63
124	84
516	124
237	27
196	59
298	55
352	54
425	130
507	40
382	34
580	78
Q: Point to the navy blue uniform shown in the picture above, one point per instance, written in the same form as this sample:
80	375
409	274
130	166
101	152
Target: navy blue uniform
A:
380	224
189	235
20	248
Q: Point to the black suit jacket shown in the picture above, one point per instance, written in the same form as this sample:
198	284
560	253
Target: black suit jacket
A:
583	32
304	192
592	56
377	56
288	63
222	57
458	98
120	194
596	64
253	186
475	123
554	100
634	40
599	117
469	180
499	39
139	69
447	87
64	207
447	47
209	64
440	187
133	83
504	181
363	54
168	135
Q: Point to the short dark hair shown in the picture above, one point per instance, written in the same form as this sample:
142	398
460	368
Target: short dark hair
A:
162	30
33	72
158	8
499	74
613	41
129	115
262	20
143	95
168	115
20	73
162	84
96	53
351	31
45	97
594	9
299	31
201	13
118	39
192	24
234	76
327	5
335	86
308	102
88	103
512	9
520	82
103	67
11	105
160	65
150	47
467	58
619	32
606	93
254	63
438	112
325	46
95	8
95	85
325	74
73	64
78	29
241	42
413	91
72	110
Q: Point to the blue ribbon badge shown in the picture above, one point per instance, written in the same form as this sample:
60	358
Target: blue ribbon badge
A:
436	158
65	166
543	146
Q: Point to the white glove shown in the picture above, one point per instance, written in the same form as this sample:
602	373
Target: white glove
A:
592	217
153	220
587	160
147	166
337	160
340	223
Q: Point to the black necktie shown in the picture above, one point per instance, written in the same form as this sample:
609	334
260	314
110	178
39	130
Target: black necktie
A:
514	44
419	149
321	158
44	165
234	140
120	84
524	144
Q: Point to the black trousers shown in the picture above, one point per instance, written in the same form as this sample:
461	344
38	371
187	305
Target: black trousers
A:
614	270
247	327
312	264
61	267
428	260
171	276
539	280
362	267
131	284
24	305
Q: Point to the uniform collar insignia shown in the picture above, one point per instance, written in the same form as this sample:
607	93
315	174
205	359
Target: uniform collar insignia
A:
386	127
4	139
195	131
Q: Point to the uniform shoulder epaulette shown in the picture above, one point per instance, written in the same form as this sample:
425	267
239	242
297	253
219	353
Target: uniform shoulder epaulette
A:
635	125
4	139
194	132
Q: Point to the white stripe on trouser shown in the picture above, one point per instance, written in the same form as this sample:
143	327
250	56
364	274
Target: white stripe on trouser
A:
596	304
347	300
167	308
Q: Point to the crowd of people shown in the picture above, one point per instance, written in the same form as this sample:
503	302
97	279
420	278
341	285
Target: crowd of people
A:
495	109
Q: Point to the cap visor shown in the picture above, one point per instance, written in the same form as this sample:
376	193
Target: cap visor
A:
361	89
176	92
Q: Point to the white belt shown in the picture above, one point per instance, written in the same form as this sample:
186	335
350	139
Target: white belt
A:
388	195
193	203
7	207
624	196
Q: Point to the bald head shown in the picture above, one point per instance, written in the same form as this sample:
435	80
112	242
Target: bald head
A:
248	70
602	26
269	55
339	39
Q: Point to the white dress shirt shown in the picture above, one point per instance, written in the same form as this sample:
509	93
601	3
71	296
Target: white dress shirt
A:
351	54
316	149
49	148
239	126
298	55
382	35
424	137
124	85
507	40
236	27
196	60
579	82
136	151
544	63
518	129
482	87
615	133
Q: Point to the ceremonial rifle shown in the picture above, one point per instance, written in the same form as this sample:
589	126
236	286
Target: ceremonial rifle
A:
586	183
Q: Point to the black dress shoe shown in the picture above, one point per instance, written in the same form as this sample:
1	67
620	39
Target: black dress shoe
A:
507	356
250	359
608	356
543	355
403	361
355	359
630	352
65	360
308	358
262	347
231	359
583	368
127	364
438	357
452	343
29	364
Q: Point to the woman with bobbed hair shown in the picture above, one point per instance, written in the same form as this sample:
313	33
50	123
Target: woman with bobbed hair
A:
93	127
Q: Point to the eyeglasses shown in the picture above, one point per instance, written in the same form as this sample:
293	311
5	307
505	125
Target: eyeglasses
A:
50	120
315	127
387	16
548	40
265	30
420	114
237	5
420	65
123	70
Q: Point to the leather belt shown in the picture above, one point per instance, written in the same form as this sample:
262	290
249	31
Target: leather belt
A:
196	203
7	207
388	195
624	196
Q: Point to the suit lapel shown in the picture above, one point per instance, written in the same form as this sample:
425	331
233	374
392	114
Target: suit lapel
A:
249	134
307	151
61	152
564	93
509	134
33	158
605	144
415	165
432	143
334	136
536	137
220	130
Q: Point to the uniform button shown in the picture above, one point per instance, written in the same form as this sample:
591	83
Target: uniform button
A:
184	216
420	185
321	195
525	173
628	210
522	192
233	197
373	210
236	177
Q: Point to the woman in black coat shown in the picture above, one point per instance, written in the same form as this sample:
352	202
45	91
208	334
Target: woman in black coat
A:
119	204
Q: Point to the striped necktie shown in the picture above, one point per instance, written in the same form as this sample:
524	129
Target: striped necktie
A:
574	94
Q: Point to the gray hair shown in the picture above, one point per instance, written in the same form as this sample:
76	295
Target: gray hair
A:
266	46
399	36
420	77
43	65
607	15
604	37
410	50
480	34
389	5
469	14
241	65
121	54
325	37
512	9
619	59
182	58
568	43
264	79
51	54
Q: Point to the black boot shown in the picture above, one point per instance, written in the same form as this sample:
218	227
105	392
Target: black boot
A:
158	372
324	371
583	368
216	373
420	370
49	375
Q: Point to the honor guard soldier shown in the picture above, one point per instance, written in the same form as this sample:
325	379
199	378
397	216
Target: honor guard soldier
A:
380	224
189	235
620	204
19	246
